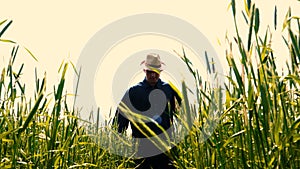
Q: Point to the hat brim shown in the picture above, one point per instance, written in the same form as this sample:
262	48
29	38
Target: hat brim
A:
156	70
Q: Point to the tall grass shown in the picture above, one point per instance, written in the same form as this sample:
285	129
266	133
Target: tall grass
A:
44	131
258	126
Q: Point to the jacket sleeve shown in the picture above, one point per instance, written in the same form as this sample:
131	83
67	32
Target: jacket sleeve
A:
120	122
178	97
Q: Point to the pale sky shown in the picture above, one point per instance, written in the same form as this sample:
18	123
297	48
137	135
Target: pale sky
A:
59	30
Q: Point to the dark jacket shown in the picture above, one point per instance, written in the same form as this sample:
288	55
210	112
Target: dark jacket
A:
163	99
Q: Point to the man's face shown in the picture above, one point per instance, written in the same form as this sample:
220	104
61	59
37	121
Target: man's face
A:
152	77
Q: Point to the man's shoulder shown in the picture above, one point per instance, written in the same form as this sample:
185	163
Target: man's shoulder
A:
137	87
165	85
172	88
142	85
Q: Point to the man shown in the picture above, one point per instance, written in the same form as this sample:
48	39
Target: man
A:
156	100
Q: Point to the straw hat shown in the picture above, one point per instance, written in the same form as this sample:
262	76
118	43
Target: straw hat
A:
153	63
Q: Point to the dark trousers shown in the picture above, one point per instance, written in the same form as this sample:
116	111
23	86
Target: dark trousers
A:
160	161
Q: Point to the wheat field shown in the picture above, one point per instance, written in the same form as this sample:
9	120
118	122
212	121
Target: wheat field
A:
258	126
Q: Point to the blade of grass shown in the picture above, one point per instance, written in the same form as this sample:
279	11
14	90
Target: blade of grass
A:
5	27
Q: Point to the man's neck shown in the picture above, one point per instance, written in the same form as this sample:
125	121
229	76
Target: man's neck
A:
151	84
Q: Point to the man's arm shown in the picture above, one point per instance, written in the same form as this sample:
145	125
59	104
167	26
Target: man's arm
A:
120	122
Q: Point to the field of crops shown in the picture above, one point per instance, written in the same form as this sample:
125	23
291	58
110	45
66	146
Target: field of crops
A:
258	125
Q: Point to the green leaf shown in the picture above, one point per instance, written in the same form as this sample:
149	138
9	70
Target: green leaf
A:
14	53
294	78
294	42
2	22
7	41
32	113
249	3
250	29
286	21
61	65
58	94
275	17
237	74
207	62
186	106
74	68
238	133
256	26
245	17
64	71
233	136
4	134
296	124
247	7
5	27
188	63
233	7
31	54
